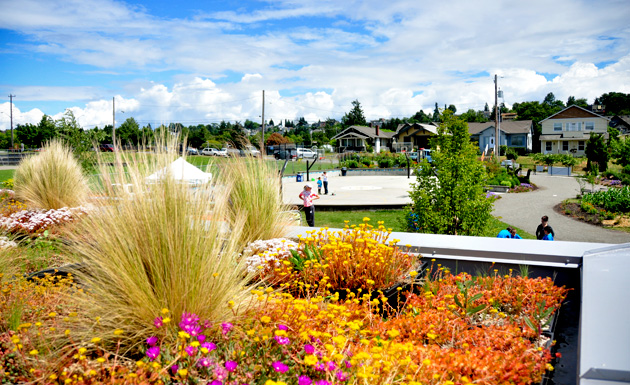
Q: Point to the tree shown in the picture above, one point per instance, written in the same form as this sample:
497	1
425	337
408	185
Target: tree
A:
128	132
271	123
621	152
577	102
276	139
420	117
448	197
354	117
82	142
436	114
616	103
596	152
452	108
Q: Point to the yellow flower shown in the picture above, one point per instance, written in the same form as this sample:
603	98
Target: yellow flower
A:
165	311
264	319
426	362
118	332
182	372
82	350
393	333
166	320
67	332
230	304
53	376
96	340
310	359
33	352
100	360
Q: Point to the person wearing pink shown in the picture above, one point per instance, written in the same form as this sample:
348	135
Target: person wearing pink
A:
308	196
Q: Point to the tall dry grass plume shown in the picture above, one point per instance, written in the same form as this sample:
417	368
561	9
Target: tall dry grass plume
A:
52	179
255	195
149	246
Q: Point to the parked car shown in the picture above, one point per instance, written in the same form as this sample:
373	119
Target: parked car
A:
209	151
192	151
306	153
106	147
253	151
509	163
222	152
285	154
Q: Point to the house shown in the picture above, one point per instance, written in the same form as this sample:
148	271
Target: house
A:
513	133
411	136
568	130
357	138
622	123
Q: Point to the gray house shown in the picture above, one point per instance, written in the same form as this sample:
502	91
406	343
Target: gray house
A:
513	133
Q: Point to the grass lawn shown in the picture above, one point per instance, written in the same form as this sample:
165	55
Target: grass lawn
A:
393	220
6	174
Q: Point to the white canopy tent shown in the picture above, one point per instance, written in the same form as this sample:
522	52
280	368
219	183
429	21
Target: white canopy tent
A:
182	171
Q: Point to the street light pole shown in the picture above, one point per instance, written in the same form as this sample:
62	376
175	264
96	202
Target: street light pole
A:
114	122
11	98
262	141
496	119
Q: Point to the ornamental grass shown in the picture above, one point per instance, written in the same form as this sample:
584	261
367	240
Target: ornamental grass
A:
156	245
254	194
52	179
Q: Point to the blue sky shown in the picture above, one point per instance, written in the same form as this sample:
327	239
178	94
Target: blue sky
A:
206	61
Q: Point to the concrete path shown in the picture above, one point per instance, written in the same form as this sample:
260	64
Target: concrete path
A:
524	210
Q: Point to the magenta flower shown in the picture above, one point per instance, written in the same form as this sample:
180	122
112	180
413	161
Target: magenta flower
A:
347	363
189	319
230	366
341	376
190	350
174	368
322	382
282	327
226	326
209	345
320	367
279	367
331	365
220	373
309	349
281	340
151	341
201	337
153	352
304	380
216	382
158	322
204	362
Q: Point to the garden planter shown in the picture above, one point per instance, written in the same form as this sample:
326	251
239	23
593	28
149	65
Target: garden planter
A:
497	188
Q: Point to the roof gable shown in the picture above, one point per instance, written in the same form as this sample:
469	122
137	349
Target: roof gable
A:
572	112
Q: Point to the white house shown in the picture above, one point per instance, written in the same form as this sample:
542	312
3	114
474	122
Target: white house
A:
568	130
513	133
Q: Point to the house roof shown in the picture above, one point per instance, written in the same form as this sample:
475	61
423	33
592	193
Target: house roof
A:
405	127
574	136
364	132
574	111
508	127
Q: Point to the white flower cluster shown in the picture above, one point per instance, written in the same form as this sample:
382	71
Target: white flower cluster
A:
263	253
6	193
33	221
5	243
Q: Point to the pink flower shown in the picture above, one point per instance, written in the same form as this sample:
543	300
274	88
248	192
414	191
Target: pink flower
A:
330	365
216	382
209	345
201	337
230	366
158	322
341	376
309	349
151	341
190	350
174	368
281	340
153	352
304	380
226	326
322	382
279	367
204	362
282	327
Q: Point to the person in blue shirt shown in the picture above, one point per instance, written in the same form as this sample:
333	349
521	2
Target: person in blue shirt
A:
513	233
548	234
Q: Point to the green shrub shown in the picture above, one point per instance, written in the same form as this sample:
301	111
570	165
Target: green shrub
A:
615	199
8	184
352	164
52	179
506	183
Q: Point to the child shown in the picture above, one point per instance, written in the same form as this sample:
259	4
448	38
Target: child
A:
319	186
309	209
548	233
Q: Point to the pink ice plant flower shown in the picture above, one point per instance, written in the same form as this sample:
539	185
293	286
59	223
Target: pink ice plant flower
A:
174	368
309	349
304	380
201	338
341	376
226	326
158	322
204	362
322	382
280	367
151	341
230	366
209	345
190	350
153	352
281	340
282	327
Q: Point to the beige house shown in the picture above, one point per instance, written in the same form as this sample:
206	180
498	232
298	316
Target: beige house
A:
567	131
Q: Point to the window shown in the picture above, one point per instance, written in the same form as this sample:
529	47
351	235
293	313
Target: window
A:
589	126
574	126
557	126
581	145
565	146
548	146
517	141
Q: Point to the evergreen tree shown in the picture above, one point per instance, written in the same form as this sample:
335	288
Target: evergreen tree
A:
436	113
596	152
448	197
354	117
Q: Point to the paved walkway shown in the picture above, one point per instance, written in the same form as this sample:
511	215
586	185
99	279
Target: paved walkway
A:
522	210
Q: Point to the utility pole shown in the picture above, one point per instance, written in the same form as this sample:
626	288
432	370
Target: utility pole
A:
114	121
496	119
11	99
262	141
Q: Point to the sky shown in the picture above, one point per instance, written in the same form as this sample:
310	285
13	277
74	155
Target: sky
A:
201	62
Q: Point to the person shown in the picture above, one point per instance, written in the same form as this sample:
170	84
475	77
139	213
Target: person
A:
505	233
309	209
325	179
548	233
513	233
544	222
319	185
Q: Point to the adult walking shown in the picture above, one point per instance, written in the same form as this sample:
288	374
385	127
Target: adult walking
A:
308	196
325	180
540	230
